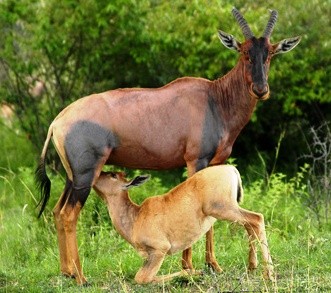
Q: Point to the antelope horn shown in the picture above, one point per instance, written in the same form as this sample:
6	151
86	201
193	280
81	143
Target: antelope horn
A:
271	24
242	23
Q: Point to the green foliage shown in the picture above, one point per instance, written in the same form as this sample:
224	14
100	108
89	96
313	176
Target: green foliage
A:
76	49
11	141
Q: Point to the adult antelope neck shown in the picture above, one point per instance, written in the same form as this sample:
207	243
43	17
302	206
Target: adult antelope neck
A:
232	95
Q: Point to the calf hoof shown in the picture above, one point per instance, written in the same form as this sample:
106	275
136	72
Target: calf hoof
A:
191	272
269	274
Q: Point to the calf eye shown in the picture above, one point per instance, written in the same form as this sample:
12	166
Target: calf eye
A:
113	174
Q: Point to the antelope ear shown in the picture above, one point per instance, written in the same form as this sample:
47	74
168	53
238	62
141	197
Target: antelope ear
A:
286	45
139	180
229	41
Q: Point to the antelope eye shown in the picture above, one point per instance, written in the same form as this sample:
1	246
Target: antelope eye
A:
245	52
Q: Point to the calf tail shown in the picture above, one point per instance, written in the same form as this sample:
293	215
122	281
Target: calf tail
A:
42	181
240	191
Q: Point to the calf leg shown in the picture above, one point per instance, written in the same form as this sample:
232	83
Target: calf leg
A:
254	225
147	274
169	277
152	264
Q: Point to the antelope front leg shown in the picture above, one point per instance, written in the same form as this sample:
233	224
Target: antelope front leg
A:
210	252
187	259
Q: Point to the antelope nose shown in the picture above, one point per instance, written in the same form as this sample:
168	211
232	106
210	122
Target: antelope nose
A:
260	89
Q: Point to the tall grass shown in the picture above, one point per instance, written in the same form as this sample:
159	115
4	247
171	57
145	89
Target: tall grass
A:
29	260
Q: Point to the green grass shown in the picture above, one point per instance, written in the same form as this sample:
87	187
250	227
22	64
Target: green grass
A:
29	259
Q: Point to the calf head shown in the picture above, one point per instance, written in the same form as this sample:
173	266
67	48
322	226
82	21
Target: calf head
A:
113	183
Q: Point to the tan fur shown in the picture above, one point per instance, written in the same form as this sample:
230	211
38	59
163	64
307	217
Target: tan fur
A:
172	222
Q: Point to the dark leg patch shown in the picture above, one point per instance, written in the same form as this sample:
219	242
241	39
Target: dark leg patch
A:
66	192
85	145
79	195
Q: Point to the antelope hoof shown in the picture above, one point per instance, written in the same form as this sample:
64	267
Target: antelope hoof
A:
214	267
68	275
187	266
252	266
81	280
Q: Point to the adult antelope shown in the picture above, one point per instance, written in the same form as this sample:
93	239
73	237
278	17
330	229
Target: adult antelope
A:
190	122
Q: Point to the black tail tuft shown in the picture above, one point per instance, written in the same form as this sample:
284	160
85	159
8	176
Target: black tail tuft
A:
44	184
240	192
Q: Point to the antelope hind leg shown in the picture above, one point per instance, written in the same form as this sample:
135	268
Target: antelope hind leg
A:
61	235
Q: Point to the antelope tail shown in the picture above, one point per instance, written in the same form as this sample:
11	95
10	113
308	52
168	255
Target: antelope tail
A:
42	181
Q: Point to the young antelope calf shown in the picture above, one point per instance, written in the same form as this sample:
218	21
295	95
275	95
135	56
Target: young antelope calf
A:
172	222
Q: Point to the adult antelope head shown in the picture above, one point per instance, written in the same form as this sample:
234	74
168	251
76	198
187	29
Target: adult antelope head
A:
256	53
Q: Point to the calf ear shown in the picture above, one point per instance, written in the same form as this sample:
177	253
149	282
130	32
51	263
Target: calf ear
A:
286	45
229	41
139	180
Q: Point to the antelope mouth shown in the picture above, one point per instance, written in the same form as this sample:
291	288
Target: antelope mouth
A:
260	95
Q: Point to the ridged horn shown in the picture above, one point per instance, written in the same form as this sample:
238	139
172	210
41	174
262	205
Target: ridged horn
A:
242	23
271	24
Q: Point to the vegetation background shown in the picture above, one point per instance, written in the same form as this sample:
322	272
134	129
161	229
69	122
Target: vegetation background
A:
53	52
